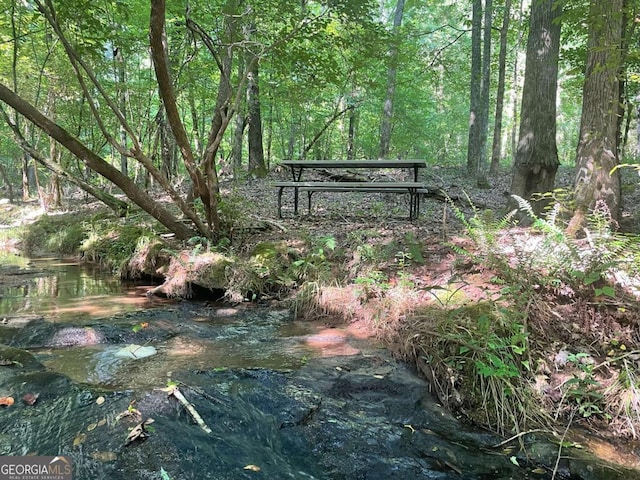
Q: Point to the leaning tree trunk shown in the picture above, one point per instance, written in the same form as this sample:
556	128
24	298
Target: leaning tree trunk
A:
159	55
597	184
536	160
96	163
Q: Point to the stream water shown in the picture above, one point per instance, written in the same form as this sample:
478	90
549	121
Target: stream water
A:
283	399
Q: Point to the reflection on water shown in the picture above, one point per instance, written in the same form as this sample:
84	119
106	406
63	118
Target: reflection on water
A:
231	345
67	290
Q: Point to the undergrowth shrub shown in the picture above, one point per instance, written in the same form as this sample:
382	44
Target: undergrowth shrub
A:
538	268
544	258
275	268
477	358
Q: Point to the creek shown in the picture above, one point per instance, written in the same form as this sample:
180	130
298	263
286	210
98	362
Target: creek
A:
283	398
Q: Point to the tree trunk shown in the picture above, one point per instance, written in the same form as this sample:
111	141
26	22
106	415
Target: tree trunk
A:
351	150
122	98
236	147
157	42
496	150
536	159
514	97
475	90
597	188
293	130
481	179
7	181
56	188
392	73
96	163
257	165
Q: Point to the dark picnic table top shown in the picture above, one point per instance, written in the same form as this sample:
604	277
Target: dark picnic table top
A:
354	163
303	185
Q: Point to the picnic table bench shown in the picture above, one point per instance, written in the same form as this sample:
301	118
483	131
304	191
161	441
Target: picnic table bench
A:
413	188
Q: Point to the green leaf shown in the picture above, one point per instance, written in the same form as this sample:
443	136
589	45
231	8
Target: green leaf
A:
607	291
164	475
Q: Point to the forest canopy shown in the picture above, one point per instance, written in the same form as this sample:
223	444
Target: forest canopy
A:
174	94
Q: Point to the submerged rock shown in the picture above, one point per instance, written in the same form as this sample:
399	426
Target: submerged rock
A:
136	351
74	336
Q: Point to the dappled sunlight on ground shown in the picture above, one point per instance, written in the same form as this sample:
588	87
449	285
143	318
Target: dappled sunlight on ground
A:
331	342
621	454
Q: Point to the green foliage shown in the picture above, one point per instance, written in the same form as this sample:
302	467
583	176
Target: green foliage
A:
59	234
315	265
483	349
114	244
273	268
533	266
493	343
546	259
372	284
583	388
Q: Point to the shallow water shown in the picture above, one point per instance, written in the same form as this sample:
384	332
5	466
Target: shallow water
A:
294	399
65	290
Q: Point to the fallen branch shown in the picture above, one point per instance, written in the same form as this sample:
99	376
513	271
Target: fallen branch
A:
192	411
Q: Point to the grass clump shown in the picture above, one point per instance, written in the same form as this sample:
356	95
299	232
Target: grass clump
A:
59	234
272	269
477	358
115	244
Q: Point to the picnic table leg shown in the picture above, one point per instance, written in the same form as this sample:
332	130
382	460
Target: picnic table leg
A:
280	202
414	204
309	193
411	204
296	173
295	200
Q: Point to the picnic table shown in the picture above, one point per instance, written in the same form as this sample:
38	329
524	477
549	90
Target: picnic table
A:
297	168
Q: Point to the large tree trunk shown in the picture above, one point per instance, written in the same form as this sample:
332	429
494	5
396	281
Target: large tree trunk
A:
481	179
496	150
536	160
96	163
475	90
257	165
597	187
392	72
515	96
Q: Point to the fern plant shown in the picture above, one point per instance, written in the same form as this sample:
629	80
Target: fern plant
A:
545	257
